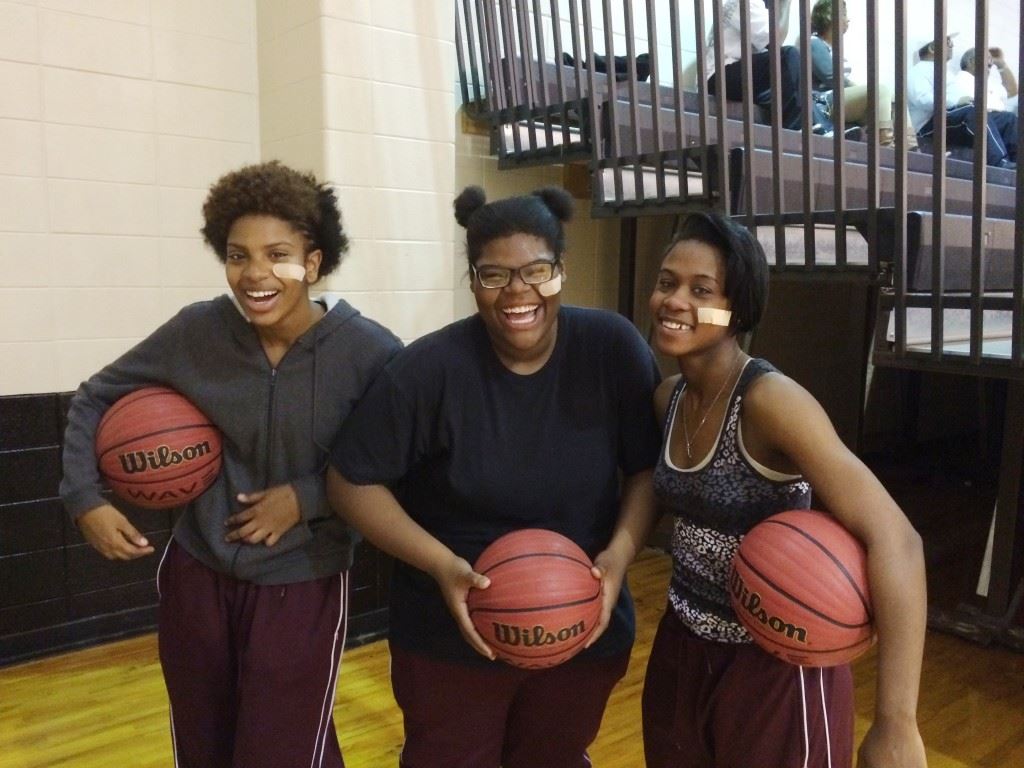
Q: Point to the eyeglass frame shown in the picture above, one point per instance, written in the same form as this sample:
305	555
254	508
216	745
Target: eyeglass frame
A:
557	262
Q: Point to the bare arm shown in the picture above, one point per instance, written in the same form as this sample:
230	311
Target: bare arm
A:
1005	73
637	515
789	420
375	512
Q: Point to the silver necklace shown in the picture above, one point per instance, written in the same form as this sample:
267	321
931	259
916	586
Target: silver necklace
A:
686	432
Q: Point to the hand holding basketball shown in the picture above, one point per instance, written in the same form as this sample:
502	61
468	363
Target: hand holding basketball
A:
109	533
456	577
273	513
611	572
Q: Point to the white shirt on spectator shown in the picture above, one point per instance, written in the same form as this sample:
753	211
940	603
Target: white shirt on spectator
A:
732	46
963	87
921	93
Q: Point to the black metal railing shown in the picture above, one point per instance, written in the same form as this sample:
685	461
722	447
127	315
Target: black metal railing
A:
607	83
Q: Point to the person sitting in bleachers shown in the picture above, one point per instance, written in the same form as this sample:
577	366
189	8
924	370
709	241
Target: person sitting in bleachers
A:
824	80
1001	147
760	63
1002	96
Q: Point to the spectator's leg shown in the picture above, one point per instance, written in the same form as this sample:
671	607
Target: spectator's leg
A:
1005	124
789	85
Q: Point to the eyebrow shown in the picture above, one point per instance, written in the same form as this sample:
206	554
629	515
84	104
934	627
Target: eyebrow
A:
712	278
269	245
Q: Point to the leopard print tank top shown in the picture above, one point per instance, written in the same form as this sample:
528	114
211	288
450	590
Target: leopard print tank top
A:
714	504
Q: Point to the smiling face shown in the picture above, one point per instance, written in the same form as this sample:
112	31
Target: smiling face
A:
272	302
521	322
692	276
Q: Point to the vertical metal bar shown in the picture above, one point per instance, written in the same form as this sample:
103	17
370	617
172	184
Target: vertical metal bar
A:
613	95
979	207
510	71
808	142
492	93
538	29
460	60
873	121
496	96
899	277
939	181
598	138
677	101
529	85
774	48
838	135
747	78
1017	330
702	95
723	154
578	55
472	48
634	101
563	101
652	51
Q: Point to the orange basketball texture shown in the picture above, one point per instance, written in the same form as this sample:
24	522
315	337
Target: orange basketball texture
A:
543	602
799	585
157	450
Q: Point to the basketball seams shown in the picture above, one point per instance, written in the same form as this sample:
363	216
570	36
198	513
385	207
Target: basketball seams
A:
560	555
134	397
537	608
797	601
167	430
836	561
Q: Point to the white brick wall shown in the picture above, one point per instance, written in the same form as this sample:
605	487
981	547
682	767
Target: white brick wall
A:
115	116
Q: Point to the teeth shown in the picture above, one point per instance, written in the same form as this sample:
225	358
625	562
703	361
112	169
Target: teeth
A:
260	294
674	325
519	310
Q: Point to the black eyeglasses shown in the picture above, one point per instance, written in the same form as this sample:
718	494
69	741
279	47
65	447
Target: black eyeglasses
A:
534	273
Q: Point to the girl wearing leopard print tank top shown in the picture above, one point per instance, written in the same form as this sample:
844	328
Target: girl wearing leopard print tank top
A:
742	442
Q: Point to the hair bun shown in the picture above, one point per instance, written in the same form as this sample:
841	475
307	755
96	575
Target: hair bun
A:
469	201
558	201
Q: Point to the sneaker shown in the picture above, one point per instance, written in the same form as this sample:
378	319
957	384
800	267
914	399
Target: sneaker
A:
1007	164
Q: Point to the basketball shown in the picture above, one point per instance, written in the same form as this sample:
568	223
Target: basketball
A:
543	602
799	585
157	450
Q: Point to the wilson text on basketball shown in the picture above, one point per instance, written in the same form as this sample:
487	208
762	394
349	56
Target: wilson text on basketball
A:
508	634
751	603
161	457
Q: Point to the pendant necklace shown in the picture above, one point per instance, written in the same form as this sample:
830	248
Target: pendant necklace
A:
686	432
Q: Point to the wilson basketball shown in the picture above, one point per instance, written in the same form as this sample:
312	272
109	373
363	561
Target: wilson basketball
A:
799	585
157	450
543	602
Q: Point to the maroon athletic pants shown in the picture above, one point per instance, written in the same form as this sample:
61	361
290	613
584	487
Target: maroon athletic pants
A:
485	716
721	705
250	670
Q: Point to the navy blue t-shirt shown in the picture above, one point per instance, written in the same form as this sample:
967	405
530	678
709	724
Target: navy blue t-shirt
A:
473	450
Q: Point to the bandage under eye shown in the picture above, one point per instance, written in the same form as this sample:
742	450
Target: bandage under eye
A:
551	287
288	271
713	316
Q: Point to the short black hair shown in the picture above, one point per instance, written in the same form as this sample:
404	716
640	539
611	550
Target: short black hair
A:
541	214
746	268
274	189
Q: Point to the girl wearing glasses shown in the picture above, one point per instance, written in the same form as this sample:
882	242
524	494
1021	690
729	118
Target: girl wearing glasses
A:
523	415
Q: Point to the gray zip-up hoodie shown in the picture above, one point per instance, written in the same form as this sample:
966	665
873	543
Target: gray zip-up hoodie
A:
277	423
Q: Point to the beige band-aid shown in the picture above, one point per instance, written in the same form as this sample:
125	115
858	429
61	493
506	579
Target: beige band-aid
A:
713	316
288	271
551	287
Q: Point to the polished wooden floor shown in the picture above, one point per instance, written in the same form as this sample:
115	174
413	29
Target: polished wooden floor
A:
106	706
